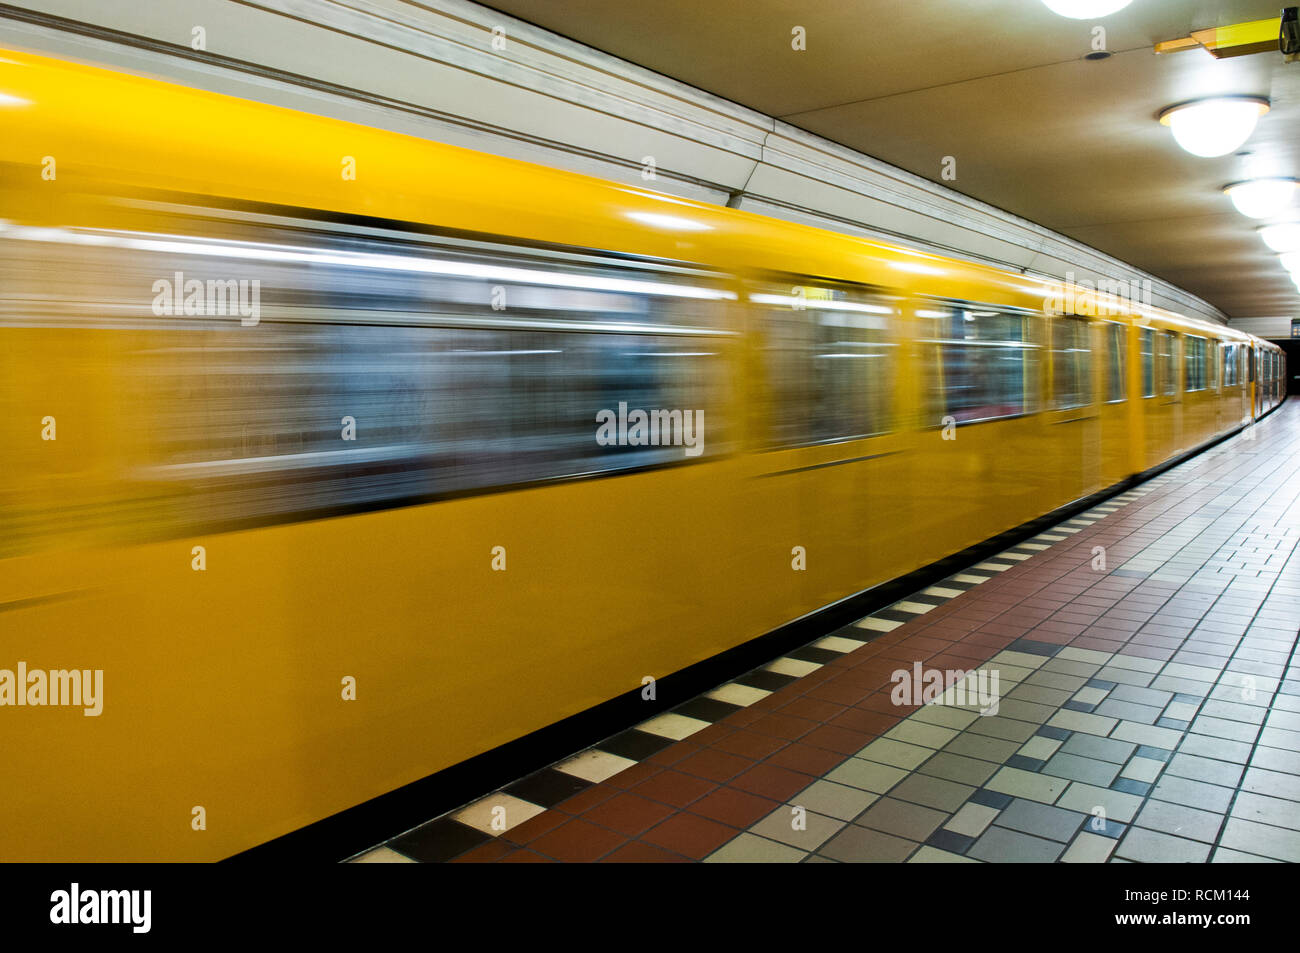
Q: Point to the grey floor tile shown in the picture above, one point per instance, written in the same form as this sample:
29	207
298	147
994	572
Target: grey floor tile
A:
1039	695
1141	696
1224	855
1058	680
860	845
1025	710
1148	735
1204	769
996	750
1027	784
867	775
1275	759
1266	810
749	849
899	754
1131	711
1002	846
1180	820
939	793
1089	849
1219	749
1225	728
1273	783
1103	749
778	826
1142	769
1207	797
957	767
1126	676
1153	847
912	821
1262	839
1087	799
971	819
1076	768
1041	820
835	800
933	855
1006	729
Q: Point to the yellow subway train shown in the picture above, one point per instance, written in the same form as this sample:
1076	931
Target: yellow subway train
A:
335	457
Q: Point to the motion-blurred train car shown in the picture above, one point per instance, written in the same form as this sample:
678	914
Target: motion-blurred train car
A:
335	457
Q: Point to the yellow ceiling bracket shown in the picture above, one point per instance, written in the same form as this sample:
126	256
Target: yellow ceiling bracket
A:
1239	39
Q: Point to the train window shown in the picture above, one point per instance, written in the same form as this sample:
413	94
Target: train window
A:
1116	362
1194	363
1147	343
1071	364
830	360
1231	366
1212	357
1167	351
982	361
379	368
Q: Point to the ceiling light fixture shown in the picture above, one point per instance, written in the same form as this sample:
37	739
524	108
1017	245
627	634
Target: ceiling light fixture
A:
1214	127
1291	262
1086	9
1282	238
1261	198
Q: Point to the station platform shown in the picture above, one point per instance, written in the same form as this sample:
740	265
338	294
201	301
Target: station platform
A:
1146	708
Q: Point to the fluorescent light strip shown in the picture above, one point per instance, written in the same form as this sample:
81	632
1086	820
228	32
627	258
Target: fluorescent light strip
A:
792	301
257	252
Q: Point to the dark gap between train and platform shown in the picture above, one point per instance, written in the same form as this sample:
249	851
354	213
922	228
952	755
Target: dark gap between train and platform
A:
372	822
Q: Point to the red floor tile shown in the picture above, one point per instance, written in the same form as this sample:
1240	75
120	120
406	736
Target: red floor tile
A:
675	788
577	841
750	744
534	827
524	856
628	814
783	726
714	765
635	852
493	850
806	760
734	808
841	740
769	780
674	753
690	835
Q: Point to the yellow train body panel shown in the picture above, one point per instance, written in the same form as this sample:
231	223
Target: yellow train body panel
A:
223	687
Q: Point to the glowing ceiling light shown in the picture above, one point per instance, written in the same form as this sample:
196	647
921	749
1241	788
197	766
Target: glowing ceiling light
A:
1282	238
1291	262
1214	127
1260	198
1086	9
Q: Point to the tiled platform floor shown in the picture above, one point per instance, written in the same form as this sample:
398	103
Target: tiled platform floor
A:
1148	709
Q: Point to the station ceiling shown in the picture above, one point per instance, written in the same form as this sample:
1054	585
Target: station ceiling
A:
1004	88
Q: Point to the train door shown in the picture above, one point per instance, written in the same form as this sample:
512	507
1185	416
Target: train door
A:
1241	360
829	430
1252	382
1073	415
1163	417
1114	406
